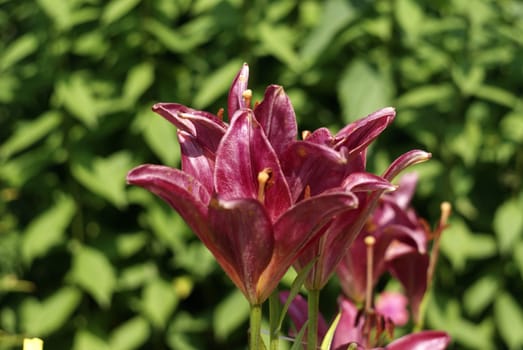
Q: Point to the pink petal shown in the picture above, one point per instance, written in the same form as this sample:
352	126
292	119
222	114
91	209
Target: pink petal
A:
180	190
404	161
197	161
276	115
243	235
242	155
425	340
394	306
236	100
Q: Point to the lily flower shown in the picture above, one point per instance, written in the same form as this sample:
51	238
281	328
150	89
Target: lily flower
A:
323	161
400	247
232	190
353	329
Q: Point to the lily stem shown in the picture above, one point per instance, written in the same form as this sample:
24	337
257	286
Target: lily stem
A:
274	308
313	302
255	327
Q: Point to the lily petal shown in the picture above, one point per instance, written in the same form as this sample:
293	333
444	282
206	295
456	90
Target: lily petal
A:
236	100
196	160
276	115
404	161
425	340
358	135
180	190
207	128
243	154
298	227
314	165
244	237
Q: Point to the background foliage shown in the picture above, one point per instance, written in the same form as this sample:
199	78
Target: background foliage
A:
88	263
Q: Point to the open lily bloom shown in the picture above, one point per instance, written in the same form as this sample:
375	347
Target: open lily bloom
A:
401	243
363	331
232	190
323	161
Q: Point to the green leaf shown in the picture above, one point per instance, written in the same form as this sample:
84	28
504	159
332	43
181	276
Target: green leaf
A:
135	276
508	224
130	335
139	79
518	257
497	95
512	126
294	290
229	314
47	230
337	14
509	320
28	133
160	136
277	41
59	11
216	84
329	336
410	17
128	244
77	97
183	39
93	272
298	340
105	176
425	95
43	318
361	91
86	340
459	244
480	295
22	47
158	302
116	9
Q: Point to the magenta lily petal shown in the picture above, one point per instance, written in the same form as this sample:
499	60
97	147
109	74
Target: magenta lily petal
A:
358	135
349	329
180	190
204	126
243	234
410	267
243	154
236	99
309	164
394	306
404	161
425	340
197	161
276	115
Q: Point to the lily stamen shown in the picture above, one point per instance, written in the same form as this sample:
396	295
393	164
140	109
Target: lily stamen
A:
220	114
247	97
263	178
369	242
305	134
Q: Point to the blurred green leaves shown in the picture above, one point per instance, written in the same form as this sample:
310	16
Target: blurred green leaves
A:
78	79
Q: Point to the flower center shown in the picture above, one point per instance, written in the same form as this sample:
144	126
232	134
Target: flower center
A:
264	177
247	97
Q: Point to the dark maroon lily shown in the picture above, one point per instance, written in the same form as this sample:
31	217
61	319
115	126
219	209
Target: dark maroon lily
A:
232	190
321	162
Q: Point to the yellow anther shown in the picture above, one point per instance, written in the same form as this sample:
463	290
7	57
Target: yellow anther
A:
247	96
263	178
305	134
220	114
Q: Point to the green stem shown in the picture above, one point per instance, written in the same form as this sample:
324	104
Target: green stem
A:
313	302
255	327
274	315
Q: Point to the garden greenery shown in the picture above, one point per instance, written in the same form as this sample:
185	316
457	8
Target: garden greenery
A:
87	262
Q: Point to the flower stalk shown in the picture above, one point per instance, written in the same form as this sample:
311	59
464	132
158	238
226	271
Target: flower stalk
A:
313	302
255	320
